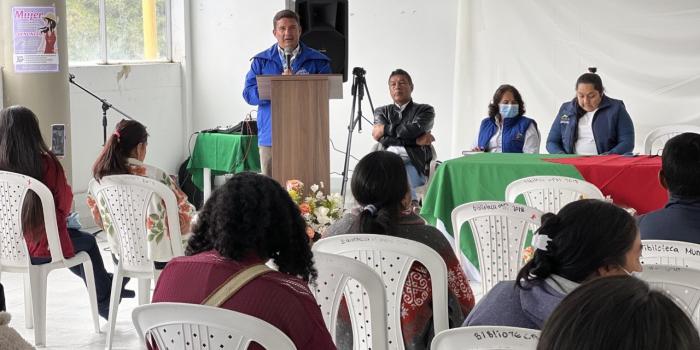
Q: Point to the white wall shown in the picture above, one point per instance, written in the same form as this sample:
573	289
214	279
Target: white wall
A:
416	35
149	93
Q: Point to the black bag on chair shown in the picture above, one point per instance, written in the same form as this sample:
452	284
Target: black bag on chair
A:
184	179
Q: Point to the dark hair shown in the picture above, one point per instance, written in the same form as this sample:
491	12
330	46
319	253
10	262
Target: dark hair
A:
400	71
380	180
113	159
680	164
253	214
591	78
585	235
618	313
285	14
21	151
498	95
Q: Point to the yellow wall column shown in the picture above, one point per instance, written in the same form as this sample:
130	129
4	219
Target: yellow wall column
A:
150	31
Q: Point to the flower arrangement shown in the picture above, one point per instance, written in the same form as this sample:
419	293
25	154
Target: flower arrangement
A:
318	209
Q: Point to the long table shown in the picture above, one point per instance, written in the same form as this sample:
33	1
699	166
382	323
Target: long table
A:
631	181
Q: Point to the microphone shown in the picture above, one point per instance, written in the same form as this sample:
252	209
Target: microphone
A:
288	57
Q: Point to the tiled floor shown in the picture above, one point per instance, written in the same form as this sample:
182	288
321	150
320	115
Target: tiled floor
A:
68	323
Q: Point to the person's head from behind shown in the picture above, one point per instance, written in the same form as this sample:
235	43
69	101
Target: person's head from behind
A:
589	238
589	90
400	86
680	169
618	313
251	215
380	185
287	29
506	102
129	140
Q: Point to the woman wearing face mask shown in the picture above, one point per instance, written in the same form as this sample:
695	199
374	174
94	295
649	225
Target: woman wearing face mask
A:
587	239
506	129
591	123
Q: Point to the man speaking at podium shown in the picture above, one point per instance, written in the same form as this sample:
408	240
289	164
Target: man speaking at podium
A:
288	56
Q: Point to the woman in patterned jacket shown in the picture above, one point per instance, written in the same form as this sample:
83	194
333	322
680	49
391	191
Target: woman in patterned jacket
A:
124	153
380	185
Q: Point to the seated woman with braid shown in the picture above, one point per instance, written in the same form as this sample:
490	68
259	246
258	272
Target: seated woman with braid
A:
586	239
380	185
248	221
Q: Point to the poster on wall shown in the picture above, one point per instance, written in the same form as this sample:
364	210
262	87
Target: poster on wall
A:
34	31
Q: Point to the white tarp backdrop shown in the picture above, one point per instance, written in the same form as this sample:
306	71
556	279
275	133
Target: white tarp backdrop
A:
647	54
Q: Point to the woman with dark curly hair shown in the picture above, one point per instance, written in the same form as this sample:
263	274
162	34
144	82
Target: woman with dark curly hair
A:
245	223
588	238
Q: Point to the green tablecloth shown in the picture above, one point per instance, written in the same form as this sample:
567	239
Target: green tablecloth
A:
223	154
482	176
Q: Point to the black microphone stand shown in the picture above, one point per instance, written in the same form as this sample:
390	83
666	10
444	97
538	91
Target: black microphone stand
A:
359	87
105	107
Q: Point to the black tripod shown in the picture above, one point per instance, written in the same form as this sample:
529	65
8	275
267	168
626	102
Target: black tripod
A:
359	87
105	107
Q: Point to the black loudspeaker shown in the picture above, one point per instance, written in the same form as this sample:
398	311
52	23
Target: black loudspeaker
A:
324	26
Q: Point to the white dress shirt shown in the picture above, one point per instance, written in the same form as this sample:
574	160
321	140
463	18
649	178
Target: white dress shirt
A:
585	143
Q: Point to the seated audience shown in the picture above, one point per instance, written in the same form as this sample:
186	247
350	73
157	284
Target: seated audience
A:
591	123
507	129
586	239
680	175
248	221
124	153
380	186
403	127
23	151
618	313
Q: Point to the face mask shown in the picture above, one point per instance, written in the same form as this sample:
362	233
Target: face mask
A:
508	111
635	274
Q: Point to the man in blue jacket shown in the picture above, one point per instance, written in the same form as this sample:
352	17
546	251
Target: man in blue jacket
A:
304	60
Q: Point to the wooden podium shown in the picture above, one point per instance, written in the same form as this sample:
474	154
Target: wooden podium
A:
300	146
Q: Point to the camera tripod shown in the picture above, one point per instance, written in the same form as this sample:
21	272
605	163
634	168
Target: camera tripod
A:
359	88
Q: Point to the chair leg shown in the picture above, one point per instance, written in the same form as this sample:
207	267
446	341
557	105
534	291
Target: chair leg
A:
114	305
144	291
28	314
38	284
92	293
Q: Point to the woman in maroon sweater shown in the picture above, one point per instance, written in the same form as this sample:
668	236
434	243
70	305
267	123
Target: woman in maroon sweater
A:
251	220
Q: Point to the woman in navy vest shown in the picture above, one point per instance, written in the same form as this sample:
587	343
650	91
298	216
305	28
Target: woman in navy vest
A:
506	129
591	123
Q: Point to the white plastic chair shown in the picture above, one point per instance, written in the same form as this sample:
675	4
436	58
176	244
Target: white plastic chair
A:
682	284
14	254
364	293
657	138
199	327
500	231
551	193
392	258
126	198
487	338
672	253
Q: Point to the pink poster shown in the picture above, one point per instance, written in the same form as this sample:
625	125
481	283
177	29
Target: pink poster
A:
34	30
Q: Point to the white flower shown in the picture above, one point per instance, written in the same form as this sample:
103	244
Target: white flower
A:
319	195
314	187
321	184
322	215
337	199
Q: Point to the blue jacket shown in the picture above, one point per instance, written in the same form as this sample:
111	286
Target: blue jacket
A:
678	221
268	62
613	130
513	133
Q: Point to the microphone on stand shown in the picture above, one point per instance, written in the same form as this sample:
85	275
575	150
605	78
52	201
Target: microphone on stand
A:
288	57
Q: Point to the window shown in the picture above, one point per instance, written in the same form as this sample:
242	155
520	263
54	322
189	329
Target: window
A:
109	31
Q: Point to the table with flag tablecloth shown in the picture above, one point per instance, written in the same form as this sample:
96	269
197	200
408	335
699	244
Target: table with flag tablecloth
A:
630	181
220	154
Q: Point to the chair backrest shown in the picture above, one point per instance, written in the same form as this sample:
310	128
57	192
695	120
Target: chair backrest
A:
487	338
125	199
200	327
657	138
14	188
340	276
500	232
392	258
681	284
551	193
672	253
